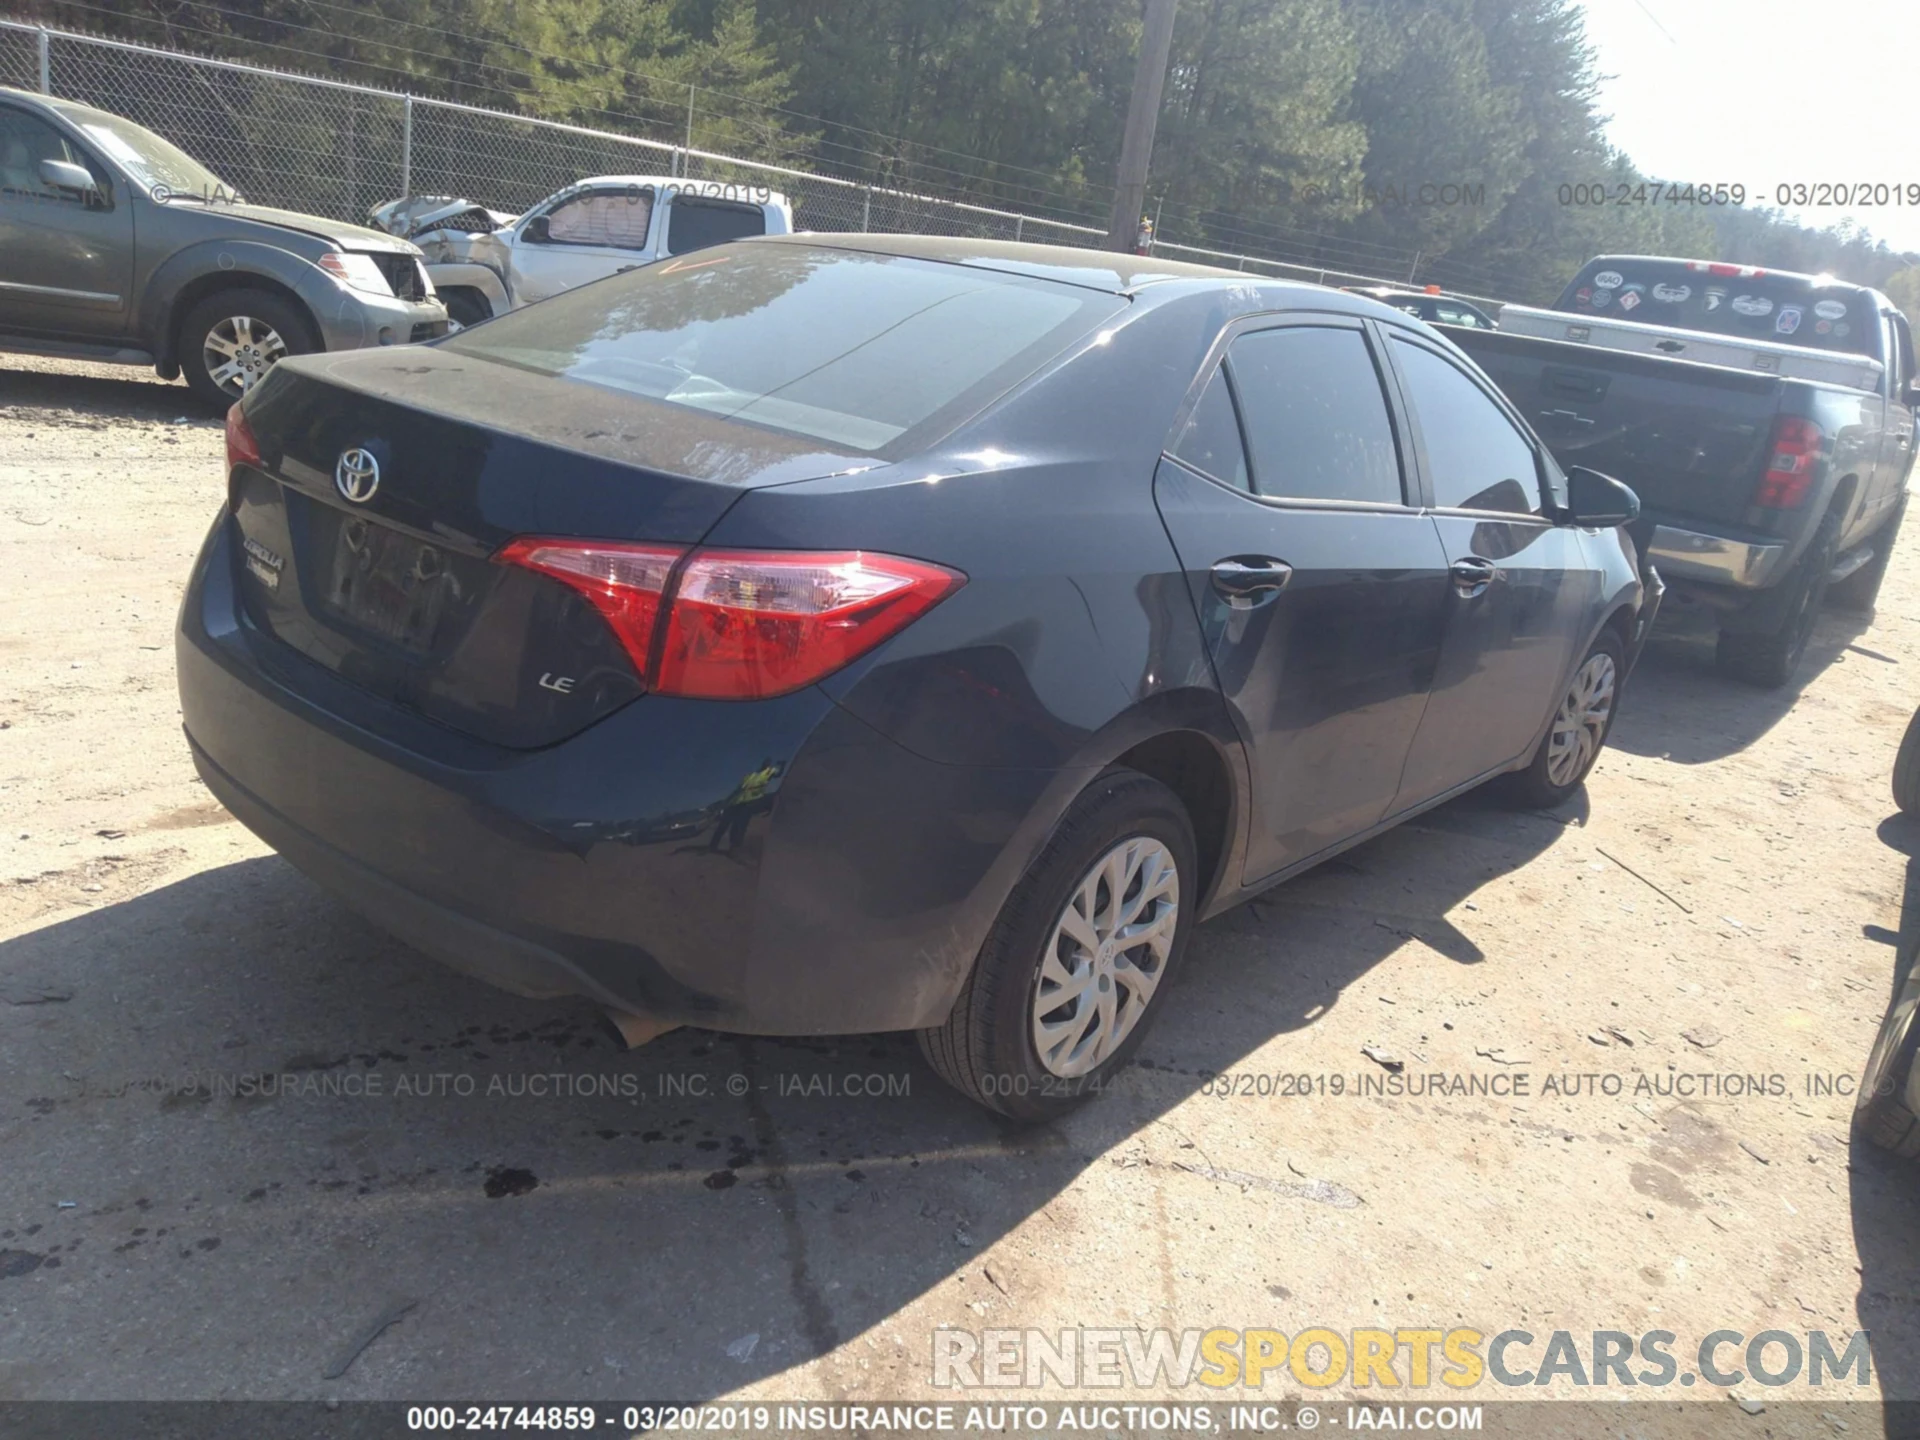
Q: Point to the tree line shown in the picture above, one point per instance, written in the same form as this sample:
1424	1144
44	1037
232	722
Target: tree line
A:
1456	142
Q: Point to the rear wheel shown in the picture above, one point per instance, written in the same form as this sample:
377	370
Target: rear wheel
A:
1906	769
1883	1115
1765	649
1076	967
229	341
1860	590
1581	724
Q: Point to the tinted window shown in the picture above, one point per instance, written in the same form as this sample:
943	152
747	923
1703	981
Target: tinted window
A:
26	140
1688	294
616	219
1315	414
1476	458
695	224
851	348
1210	440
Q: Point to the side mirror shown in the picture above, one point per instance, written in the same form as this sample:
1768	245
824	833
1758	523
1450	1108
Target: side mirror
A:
65	175
1910	393
536	231
1599	501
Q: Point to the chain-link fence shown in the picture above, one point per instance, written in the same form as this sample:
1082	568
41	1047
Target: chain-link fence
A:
334	149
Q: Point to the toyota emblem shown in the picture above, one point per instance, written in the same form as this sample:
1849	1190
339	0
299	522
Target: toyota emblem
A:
357	475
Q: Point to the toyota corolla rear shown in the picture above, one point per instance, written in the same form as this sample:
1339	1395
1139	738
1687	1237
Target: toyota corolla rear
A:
458	647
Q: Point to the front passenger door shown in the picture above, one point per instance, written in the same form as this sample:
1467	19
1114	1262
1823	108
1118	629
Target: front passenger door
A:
1320	589
1520	589
66	258
589	236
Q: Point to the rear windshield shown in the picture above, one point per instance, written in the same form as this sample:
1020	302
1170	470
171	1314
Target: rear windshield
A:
1689	295
868	352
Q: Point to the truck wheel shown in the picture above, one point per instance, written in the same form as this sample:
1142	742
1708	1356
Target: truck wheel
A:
1882	1115
230	339
1859	590
1581	723
465	306
1768	657
1906	769
1077	965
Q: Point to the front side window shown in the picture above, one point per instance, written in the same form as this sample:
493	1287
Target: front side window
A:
25	141
611	219
870	352
1316	417
1476	458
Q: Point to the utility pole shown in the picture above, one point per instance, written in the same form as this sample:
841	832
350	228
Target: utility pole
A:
1143	113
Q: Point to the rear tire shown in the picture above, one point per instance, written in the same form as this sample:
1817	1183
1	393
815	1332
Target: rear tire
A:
1582	721
1769	657
1906	769
229	340
1107	861
1859	591
1882	1115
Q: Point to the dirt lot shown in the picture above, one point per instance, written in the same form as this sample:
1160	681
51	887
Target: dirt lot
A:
1728	900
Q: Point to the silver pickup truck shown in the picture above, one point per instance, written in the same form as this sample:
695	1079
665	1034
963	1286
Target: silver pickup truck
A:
484	263
1765	419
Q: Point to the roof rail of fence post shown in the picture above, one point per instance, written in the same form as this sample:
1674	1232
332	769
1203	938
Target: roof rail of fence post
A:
44	44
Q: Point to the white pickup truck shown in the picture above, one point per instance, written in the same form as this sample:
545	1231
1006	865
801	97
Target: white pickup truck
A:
484	263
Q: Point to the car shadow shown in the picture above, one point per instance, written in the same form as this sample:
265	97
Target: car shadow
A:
1885	1192
276	1124
1679	707
101	391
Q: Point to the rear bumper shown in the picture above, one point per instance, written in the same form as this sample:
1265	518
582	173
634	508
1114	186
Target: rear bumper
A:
615	865
1717	560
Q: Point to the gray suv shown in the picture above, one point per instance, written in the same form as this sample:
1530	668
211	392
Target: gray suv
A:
117	245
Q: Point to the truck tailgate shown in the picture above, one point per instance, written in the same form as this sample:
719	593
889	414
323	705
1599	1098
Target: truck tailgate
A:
1691	439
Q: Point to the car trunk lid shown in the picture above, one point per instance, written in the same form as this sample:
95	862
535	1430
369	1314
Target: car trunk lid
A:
387	484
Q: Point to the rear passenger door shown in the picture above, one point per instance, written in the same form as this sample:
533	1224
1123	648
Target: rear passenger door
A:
1319	584
1520	590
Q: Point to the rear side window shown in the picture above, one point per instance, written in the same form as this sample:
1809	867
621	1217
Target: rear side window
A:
868	352
1476	459
1315	415
1210	440
694	224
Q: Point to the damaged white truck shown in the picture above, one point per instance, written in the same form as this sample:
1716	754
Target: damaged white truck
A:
485	263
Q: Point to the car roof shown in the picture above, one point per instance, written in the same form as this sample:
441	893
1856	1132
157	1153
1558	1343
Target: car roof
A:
1112	272
70	109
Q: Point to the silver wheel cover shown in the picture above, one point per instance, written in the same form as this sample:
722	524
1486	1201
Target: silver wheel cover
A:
238	351
1581	724
1105	957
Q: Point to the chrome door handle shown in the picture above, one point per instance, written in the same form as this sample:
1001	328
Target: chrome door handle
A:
1472	576
1248	580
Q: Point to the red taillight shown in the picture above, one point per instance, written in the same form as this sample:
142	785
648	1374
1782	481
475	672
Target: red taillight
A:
242	448
624	582
1796	451
740	624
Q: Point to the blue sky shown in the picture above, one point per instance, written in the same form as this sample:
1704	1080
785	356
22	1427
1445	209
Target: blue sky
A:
1767	92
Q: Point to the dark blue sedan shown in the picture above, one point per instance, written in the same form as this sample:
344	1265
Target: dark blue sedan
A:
839	634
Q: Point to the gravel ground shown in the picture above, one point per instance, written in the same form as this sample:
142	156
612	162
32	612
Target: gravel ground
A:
1728	899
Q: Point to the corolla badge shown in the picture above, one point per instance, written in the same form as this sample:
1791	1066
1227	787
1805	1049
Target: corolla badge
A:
357	475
